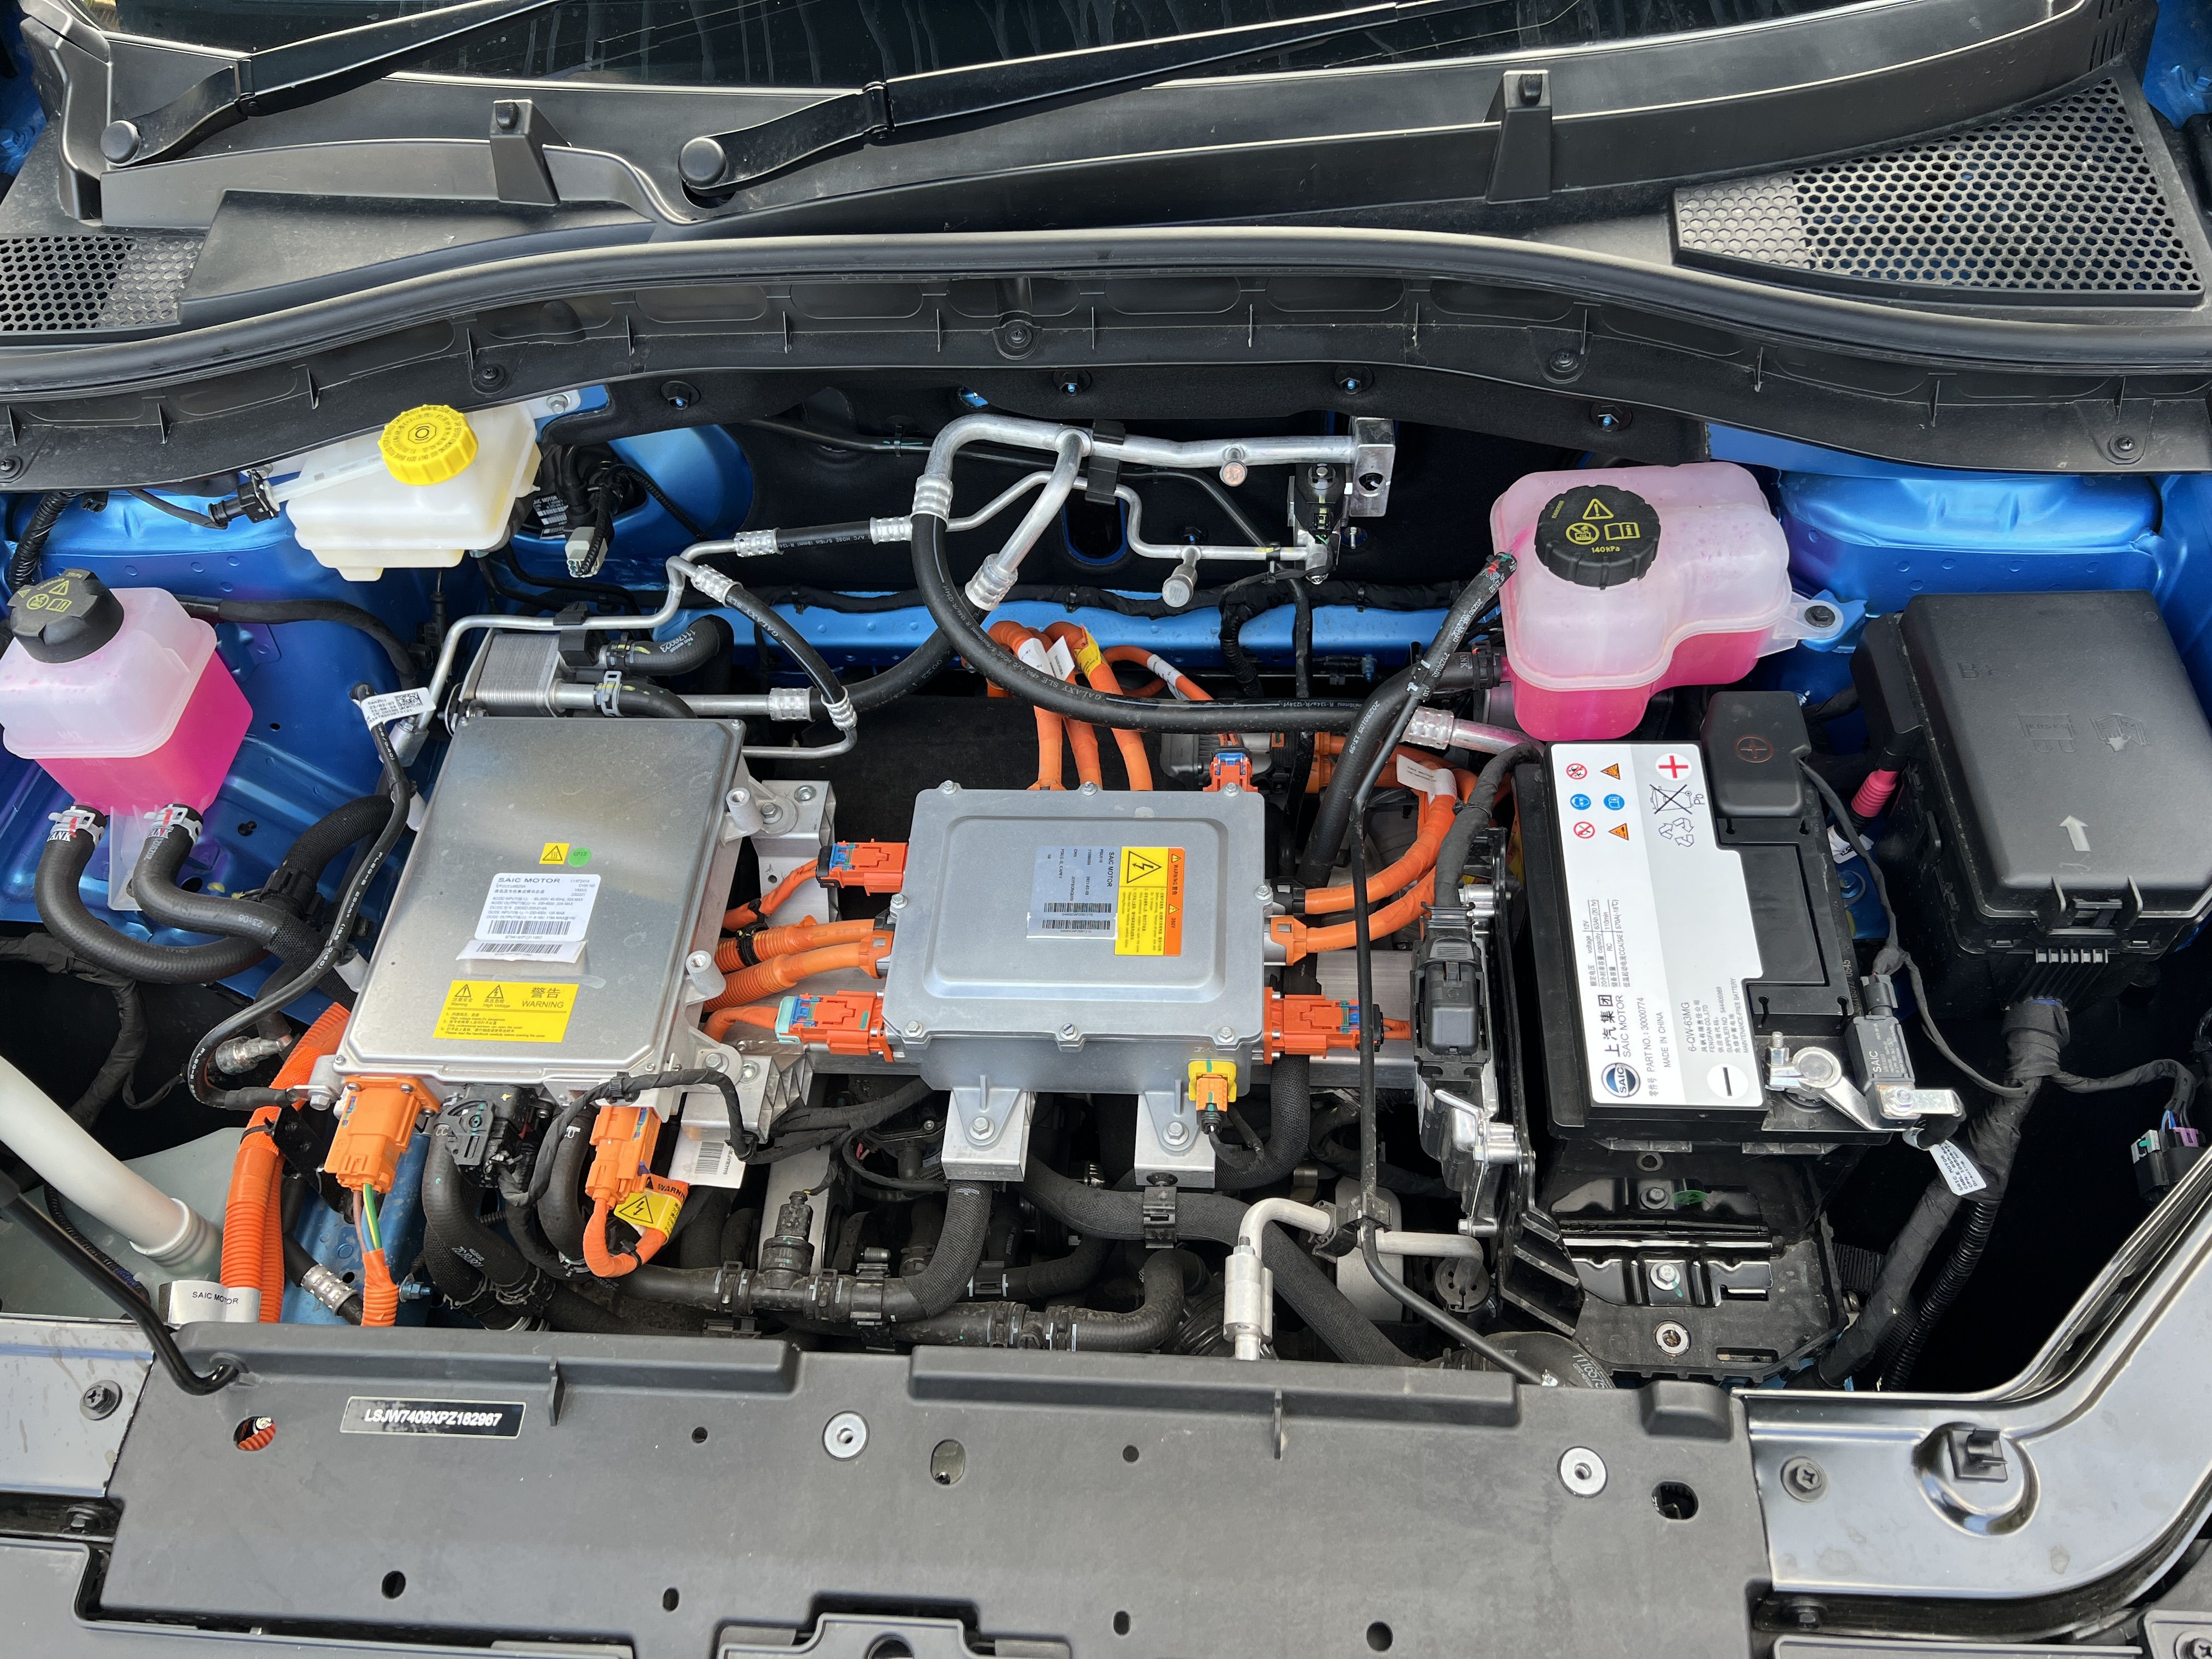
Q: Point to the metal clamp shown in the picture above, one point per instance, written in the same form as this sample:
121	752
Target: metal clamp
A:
77	820
606	695
176	815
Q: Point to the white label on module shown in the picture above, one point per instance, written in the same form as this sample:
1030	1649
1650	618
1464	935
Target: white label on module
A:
1661	925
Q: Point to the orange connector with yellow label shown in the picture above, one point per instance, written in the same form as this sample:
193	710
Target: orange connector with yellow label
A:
1307	1024
621	1182
376	1122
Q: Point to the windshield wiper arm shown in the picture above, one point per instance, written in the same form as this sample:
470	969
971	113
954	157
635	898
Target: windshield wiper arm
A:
883	109
301	73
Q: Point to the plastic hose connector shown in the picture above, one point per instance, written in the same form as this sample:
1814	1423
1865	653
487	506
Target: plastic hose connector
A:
1873	794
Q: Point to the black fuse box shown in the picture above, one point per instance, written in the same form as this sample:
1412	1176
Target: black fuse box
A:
2053	833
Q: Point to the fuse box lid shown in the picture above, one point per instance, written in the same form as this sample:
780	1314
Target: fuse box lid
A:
2072	749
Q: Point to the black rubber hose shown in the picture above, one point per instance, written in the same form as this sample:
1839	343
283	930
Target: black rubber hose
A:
294	881
560	1212
274	928
699	1232
771	625
324	610
61	908
451	1201
957	620
1000	1324
951	1264
911	672
1289	1129
1471	819
637	700
707	639
57	1206
1348	1333
1148	1327
31	546
1041	1281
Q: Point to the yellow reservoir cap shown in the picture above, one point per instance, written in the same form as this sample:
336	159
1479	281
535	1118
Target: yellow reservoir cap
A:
428	445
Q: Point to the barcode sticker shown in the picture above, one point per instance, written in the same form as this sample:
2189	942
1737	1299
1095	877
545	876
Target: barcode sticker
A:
1060	659
526	908
1426	780
391	705
522	950
704	1159
1071	893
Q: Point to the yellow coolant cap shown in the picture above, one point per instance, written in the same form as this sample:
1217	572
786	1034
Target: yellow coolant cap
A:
428	445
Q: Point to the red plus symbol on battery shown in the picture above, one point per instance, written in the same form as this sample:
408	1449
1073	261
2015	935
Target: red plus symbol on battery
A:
1673	767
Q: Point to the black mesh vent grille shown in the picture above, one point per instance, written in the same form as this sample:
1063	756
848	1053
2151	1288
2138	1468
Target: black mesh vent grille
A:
2056	205
74	284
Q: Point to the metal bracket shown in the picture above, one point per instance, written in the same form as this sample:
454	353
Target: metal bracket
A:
987	1133
1169	1141
1372	463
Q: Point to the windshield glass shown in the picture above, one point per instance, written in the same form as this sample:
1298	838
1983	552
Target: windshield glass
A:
835	42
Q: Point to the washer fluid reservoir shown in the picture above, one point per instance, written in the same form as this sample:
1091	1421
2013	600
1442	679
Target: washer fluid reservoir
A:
119	695
434	485
1631	578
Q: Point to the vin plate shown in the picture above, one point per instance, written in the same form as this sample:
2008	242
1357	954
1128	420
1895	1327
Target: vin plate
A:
1661	925
1071	892
494	1420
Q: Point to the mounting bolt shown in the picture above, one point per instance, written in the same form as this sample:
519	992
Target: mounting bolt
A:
751	1070
981	1128
81	1517
1666	1276
557	401
2124	448
1176	1133
1806	1481
898	900
1069	1033
914	1028
1074	384
10	466
1264	893
679	394
2197	1647
1610	417
488	377
1657	1195
1808	1615
1226	1033
1351	381
1233	471
100	1400
805	792
1017	336
1822	616
1565	362
1674	1339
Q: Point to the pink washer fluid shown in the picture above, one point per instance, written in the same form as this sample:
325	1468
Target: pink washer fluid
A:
119	694
1631	578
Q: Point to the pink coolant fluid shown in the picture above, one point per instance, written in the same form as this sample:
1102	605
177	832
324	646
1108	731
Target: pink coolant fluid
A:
1630	578
119	695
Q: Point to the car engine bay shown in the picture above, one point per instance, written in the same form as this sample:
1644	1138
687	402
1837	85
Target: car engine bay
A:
1619	941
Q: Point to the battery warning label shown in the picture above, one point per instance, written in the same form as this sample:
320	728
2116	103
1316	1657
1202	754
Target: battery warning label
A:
505	1011
1148	908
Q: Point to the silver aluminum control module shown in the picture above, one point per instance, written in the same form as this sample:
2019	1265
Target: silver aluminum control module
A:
565	870
1079	941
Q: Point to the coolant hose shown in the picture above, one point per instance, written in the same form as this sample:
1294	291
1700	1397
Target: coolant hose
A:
1004	1324
1377	720
1064	1275
951	1264
449	1210
163	1230
61	908
1289	1129
560	1212
957	620
707	639
912	671
639	700
769	625
1347	1333
1473	817
277	932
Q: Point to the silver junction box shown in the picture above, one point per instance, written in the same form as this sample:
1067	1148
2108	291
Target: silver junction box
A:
1096	942
601	848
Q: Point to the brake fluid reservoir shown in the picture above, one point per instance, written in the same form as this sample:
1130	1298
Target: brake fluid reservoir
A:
434	485
1631	578
119	695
